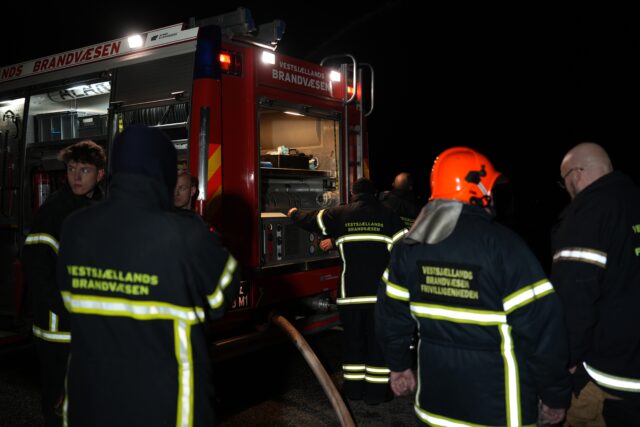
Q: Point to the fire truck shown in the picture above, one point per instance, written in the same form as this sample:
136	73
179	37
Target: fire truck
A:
262	132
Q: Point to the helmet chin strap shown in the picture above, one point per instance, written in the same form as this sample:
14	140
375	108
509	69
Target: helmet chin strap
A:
473	177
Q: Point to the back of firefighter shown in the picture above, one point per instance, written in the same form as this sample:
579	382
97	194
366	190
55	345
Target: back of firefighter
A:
85	162
401	199
491	335
364	231
140	280
596	269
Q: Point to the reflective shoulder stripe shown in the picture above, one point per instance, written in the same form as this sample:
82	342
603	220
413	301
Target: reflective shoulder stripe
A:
323	229
526	295
458	315
53	336
395	291
399	235
587	255
363	238
217	297
613	381
357	300
140	310
43	239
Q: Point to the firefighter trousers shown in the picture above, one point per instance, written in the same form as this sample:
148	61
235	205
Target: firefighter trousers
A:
53	369
364	371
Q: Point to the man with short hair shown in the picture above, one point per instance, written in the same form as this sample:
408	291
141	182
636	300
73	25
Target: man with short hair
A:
364	231
596	270
85	162
401	198
186	190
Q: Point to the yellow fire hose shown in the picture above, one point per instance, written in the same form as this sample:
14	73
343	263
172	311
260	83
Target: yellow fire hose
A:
321	374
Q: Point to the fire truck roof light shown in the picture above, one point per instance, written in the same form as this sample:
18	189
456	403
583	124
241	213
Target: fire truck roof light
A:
135	41
268	57
335	76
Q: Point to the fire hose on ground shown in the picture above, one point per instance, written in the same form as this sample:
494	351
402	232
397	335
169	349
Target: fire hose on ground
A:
321	374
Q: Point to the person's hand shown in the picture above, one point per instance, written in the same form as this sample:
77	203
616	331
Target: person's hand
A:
326	244
552	415
292	211
402	383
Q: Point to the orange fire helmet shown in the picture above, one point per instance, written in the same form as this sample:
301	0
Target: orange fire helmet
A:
463	174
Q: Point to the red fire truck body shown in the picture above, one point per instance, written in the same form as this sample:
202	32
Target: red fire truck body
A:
263	132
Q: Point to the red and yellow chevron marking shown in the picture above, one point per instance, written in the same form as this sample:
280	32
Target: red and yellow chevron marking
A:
214	180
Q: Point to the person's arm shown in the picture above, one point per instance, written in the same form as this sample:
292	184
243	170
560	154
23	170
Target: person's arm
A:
394	324
535	315
322	222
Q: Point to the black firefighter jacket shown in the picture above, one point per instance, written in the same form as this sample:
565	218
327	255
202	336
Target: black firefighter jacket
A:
364	232
596	269
402	202
491	333
140	280
40	254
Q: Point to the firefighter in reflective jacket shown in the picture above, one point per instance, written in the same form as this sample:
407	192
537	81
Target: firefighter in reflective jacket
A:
596	269
140	280
364	231
491	334
85	162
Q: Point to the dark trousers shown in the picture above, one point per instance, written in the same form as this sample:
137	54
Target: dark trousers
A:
622	413
53	368
365	373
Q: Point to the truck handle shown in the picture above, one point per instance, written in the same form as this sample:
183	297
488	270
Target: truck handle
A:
354	67
371	94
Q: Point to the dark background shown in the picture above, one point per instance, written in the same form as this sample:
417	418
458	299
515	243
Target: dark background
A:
522	85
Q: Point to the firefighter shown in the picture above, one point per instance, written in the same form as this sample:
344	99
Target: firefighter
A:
491	334
596	270
140	279
186	190
364	231
401	198
85	163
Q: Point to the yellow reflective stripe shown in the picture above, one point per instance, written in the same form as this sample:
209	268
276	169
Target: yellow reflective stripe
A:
53	336
353	377
53	322
217	297
393	290
526	295
377	370
398	236
588	255
377	380
613	381
184	356
323	229
356	300
512	389
343	289
141	310
459	315
353	368
363	238
439	420
43	239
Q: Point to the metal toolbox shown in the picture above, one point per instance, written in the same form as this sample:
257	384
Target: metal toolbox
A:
56	126
92	126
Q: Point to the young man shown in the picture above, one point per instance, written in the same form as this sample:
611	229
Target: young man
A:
186	190
85	162
492	342
140	280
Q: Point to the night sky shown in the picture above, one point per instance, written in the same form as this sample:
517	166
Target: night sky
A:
521	85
